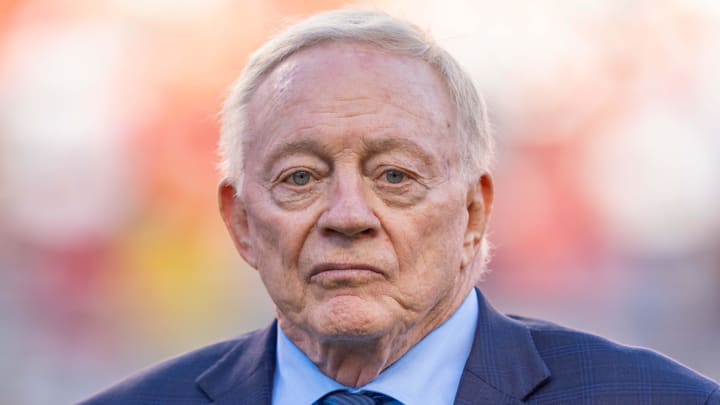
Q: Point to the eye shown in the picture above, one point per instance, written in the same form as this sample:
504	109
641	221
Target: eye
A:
394	176
300	177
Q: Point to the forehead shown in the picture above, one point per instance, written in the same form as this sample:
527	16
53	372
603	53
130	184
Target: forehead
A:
352	85
323	62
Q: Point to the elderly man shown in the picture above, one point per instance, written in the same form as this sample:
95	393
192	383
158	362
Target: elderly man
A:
356	159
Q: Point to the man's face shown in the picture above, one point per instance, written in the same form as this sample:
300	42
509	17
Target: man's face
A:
354	208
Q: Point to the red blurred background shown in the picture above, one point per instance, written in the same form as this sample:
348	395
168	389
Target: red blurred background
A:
113	256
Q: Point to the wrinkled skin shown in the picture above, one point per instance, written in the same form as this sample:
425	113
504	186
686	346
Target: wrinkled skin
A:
354	207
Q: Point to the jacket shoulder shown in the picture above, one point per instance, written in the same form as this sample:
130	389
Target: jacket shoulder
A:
171	381
584	366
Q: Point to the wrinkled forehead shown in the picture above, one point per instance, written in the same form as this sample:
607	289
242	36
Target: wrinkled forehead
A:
333	71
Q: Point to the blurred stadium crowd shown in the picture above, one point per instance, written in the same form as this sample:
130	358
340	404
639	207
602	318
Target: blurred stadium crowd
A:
112	255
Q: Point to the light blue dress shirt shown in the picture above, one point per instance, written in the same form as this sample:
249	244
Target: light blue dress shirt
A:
429	373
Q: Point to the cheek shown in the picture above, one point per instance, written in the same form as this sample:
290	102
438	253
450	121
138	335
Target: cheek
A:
277	242
277	233
264	234
277	239
434	242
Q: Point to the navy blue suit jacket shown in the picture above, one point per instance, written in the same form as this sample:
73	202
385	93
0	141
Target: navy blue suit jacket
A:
513	361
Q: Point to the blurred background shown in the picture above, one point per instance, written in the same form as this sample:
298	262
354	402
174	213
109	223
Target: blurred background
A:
113	256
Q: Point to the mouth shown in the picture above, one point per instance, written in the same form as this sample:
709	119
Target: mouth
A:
334	275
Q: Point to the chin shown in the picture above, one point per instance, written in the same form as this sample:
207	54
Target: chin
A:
351	318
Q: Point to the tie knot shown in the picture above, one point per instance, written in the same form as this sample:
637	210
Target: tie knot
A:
343	397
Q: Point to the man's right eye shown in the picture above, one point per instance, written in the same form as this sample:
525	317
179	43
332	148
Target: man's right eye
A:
300	177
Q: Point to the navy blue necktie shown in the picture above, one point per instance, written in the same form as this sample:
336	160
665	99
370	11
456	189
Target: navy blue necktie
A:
343	397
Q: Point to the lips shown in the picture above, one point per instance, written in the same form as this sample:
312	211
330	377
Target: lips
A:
344	274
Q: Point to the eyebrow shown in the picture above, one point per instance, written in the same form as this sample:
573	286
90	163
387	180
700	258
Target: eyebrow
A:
304	146
376	146
372	147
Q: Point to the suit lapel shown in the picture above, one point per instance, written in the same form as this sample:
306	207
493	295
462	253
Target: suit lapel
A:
245	374
504	366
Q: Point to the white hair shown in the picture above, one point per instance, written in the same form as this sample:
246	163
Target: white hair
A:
378	29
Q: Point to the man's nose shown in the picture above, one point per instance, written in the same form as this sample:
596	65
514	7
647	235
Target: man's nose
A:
349	212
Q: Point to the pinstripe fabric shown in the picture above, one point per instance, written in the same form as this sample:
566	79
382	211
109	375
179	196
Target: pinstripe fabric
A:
514	360
343	397
520	360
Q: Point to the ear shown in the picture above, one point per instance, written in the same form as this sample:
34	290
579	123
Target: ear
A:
479	205
234	215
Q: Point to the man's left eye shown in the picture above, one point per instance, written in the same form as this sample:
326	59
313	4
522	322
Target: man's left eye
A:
394	176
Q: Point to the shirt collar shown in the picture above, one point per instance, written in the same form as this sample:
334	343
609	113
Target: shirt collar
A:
436	364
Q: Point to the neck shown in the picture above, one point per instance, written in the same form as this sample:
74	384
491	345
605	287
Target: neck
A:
355	361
